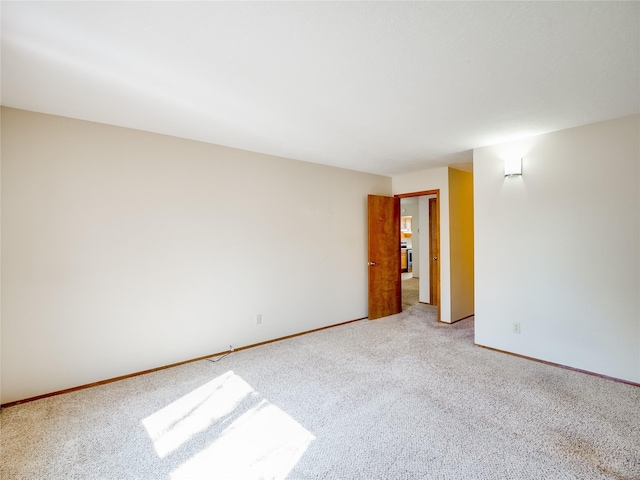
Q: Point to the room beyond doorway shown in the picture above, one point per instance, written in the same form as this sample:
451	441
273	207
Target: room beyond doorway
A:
416	232
410	251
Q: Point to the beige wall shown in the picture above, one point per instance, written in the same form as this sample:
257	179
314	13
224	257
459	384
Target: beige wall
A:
558	248
124	250
461	243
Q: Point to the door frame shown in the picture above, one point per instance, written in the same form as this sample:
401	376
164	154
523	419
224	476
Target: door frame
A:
423	193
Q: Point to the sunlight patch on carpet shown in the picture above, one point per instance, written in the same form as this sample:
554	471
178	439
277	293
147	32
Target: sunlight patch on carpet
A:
265	442
193	413
245	436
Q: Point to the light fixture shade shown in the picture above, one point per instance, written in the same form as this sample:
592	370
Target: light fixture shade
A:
512	166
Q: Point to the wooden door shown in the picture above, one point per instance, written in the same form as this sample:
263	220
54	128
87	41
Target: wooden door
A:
385	294
434	253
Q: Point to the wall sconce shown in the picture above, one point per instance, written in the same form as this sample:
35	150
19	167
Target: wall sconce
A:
512	166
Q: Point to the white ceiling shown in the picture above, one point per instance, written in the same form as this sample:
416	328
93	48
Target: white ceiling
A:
381	87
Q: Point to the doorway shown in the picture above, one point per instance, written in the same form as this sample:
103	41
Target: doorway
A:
410	251
384	252
420	235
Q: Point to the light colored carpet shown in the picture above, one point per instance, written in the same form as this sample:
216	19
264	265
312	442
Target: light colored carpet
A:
410	292
400	398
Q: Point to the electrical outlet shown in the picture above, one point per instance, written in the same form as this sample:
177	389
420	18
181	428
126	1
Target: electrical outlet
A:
259	319
516	327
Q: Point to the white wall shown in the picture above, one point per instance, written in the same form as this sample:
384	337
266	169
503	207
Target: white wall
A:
558	249
125	250
433	179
